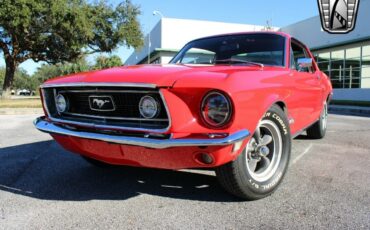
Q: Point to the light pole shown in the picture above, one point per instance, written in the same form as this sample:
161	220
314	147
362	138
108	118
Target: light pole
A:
149	45
155	12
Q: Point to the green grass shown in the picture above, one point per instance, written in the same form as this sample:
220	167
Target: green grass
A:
20	103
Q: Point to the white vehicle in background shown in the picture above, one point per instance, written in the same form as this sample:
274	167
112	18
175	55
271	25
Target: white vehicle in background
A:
25	92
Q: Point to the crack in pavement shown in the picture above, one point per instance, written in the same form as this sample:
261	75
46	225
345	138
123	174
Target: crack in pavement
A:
302	154
28	165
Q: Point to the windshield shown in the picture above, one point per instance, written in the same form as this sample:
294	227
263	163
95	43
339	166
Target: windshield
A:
245	49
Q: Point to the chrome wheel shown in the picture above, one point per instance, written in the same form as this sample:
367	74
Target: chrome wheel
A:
324	116
260	168
264	151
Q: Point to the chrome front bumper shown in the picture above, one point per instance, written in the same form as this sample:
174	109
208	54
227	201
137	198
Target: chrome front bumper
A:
49	127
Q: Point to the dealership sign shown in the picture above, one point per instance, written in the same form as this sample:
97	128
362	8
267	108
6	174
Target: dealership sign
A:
338	16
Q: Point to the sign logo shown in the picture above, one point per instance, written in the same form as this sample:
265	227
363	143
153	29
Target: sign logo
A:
338	16
101	103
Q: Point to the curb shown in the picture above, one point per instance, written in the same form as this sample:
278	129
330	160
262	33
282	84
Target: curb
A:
20	111
350	110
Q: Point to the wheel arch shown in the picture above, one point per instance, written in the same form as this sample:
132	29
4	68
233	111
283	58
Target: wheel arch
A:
270	103
282	105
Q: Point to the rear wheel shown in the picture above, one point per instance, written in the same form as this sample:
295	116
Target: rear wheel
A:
318	130
260	168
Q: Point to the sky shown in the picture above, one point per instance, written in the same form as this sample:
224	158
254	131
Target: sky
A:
280	13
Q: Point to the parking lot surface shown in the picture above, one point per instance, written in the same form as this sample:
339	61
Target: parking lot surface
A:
43	186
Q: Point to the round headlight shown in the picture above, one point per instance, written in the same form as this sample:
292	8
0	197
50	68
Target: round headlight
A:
61	103
149	107
216	109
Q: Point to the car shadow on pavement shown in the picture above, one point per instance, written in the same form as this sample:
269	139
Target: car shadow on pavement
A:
43	170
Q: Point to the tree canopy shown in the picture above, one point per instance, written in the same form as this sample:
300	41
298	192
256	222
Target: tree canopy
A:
22	80
103	62
63	30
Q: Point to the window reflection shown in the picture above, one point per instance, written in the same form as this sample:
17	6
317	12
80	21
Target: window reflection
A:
366	50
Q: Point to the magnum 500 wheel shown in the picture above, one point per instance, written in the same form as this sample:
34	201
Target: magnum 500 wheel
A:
260	168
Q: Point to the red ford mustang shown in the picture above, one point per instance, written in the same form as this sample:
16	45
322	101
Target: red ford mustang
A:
229	102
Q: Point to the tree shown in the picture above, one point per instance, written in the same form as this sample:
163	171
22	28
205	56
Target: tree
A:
21	79
2	75
47	71
63	30
103	62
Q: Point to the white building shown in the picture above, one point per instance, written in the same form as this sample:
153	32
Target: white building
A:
343	57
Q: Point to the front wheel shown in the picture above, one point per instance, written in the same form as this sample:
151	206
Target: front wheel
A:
260	168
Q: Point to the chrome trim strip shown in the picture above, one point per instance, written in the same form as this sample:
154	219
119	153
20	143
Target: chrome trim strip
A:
116	118
112	127
45	105
106	91
49	127
166	108
99	84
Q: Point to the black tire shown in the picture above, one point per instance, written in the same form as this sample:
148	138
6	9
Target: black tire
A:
96	163
239	179
318	129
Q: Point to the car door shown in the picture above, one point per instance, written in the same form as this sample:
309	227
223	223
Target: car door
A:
307	91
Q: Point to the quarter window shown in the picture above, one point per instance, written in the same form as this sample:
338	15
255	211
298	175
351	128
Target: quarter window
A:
300	52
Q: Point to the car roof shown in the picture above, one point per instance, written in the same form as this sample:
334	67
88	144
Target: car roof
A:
247	32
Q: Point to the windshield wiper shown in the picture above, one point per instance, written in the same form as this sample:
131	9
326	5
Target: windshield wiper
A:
235	60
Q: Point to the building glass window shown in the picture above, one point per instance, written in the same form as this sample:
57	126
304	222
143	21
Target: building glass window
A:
323	61
346	68
337	69
324	57
366	51
352	68
156	61
365	68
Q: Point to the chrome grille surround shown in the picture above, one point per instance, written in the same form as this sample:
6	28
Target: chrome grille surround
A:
91	121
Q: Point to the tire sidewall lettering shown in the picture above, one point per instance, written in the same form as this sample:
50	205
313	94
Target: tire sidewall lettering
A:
279	120
270	184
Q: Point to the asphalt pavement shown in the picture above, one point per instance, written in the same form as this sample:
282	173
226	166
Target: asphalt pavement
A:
43	186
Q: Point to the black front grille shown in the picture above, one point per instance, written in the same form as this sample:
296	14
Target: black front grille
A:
126	106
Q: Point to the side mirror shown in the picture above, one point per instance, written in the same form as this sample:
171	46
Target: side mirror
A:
304	64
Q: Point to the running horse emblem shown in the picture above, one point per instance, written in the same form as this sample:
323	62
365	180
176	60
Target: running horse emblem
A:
100	103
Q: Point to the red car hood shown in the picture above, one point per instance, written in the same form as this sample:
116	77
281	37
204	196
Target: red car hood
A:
160	75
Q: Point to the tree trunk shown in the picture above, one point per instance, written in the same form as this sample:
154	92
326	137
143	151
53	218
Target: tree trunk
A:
11	66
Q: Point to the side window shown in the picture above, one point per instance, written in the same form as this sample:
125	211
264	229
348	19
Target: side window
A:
299	52
292	61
